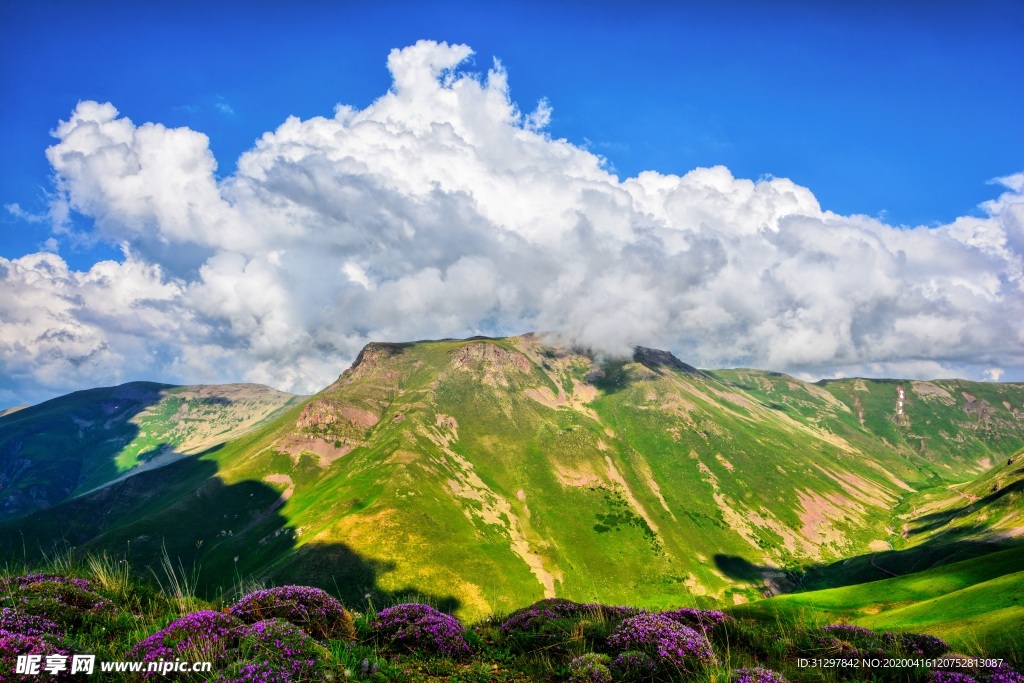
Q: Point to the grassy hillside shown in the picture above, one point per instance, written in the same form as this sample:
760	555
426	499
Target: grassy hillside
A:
489	473
97	607
76	443
975	605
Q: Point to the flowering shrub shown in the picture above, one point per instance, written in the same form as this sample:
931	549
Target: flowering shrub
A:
756	675
536	615
32	579
541	613
551	624
1004	674
858	642
317	612
274	651
26	624
200	636
701	619
634	665
57	599
14	644
952	677
666	641
920	644
420	627
590	668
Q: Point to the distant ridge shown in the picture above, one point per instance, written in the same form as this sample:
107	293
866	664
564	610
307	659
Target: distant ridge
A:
485	473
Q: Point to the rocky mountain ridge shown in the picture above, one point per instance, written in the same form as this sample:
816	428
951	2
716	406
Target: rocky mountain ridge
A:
488	473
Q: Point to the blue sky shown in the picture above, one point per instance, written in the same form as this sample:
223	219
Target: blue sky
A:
902	108
899	111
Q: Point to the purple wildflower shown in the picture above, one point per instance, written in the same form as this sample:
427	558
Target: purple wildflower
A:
590	668
665	640
701	619
14	644
920	644
26	624
539	613
200	636
1004	674
31	579
275	651
543	612
415	626
634	664
58	599
757	674
314	610
952	677
858	642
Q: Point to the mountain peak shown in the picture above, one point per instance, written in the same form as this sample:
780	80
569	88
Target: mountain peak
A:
655	358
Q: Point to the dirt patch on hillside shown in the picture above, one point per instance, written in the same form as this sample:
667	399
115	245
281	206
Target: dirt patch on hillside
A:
678	407
546	397
577	478
445	431
860	488
584	393
614	475
656	490
497	363
824	395
321	413
734	398
817	519
282	479
494	509
891	477
689	386
401	457
326	452
932	392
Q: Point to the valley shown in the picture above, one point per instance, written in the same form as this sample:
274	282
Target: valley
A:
485	474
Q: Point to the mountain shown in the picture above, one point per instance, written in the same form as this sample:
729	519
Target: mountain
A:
80	442
488	473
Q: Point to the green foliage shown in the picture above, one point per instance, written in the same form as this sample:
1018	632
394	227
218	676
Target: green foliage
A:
484	474
136	618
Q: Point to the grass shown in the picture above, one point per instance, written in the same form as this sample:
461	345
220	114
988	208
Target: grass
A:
658	488
540	650
977	604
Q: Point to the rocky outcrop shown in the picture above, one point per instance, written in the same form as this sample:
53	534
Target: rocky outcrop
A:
654	359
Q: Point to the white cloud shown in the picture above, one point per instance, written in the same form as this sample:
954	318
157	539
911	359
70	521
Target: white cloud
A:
442	210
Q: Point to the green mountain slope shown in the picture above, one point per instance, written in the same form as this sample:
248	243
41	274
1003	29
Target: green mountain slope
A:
488	473
76	443
976	605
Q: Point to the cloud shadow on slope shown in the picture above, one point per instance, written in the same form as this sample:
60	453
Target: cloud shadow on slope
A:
937	552
219	535
43	447
937	520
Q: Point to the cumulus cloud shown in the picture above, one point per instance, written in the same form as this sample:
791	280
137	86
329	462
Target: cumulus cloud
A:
442	209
